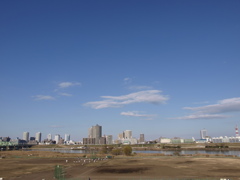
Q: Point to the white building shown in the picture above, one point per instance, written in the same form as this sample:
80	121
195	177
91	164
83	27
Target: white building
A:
38	137
49	137
57	138
26	136
165	140
203	134
141	139
127	134
109	139
67	137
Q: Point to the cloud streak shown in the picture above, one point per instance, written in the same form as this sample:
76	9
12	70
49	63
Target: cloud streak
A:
214	111
43	97
136	114
65	94
68	84
203	116
223	106
149	96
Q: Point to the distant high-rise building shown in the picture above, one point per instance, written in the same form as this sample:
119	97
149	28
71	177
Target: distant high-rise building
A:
109	139
128	134
49	137
57	138
121	136
67	137
38	137
90	134
203	134
26	136
95	132
141	139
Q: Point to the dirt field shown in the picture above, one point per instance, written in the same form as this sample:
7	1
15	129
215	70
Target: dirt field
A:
40	165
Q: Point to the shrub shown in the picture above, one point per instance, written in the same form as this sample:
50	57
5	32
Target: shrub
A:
117	151
127	150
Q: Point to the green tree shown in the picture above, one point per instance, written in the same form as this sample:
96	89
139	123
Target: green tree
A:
127	150
116	151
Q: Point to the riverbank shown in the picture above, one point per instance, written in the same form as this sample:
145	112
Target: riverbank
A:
16	165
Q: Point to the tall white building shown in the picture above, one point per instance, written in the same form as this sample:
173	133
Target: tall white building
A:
38	137
26	136
109	139
67	137
203	134
49	137
57	138
128	134
141	139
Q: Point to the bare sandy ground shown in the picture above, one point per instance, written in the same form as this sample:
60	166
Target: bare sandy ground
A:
40	165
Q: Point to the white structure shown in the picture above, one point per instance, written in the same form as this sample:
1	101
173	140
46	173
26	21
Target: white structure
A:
165	140
57	138
128	134
26	136
49	137
141	139
109	139
126	138
203	134
129	141
38	137
67	137
225	139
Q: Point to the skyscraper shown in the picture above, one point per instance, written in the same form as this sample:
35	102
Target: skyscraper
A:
203	134
128	134
95	132
67	137
141	139
38	137
49	137
26	136
57	138
109	139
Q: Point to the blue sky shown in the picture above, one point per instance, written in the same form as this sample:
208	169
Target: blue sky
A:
162	68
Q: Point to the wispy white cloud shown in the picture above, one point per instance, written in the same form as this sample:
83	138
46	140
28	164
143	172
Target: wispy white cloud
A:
43	97
65	94
127	80
136	114
223	106
149	96
214	111
68	84
203	116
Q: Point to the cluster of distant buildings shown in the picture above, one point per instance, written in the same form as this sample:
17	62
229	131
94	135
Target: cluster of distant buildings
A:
95	137
220	139
37	139
56	140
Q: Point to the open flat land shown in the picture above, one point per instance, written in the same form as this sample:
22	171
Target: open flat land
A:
36	165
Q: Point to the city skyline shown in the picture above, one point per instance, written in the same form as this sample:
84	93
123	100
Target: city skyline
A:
160	68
